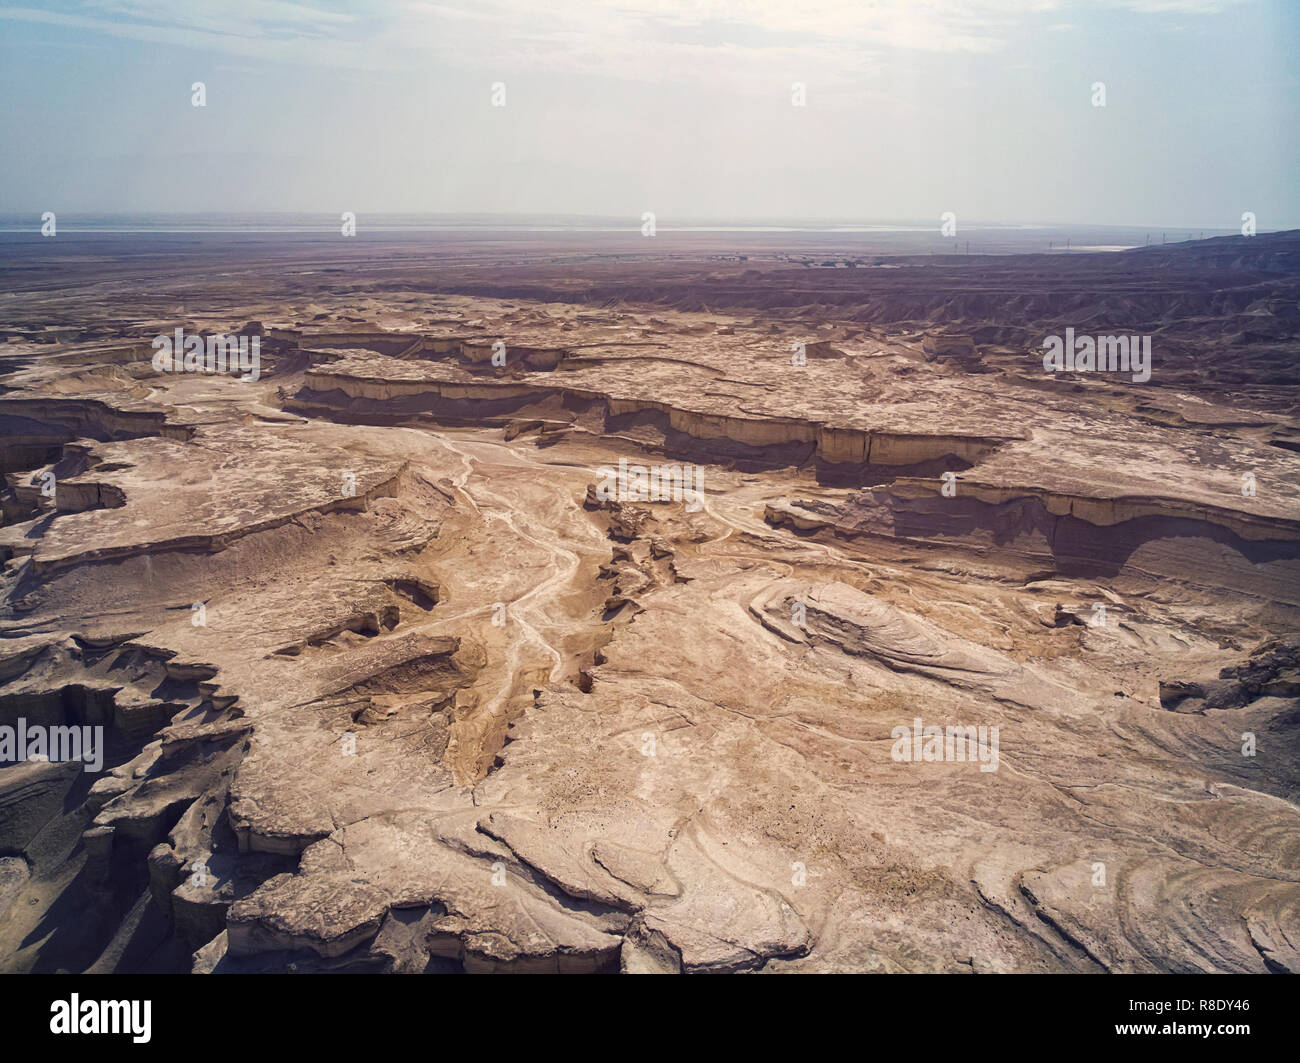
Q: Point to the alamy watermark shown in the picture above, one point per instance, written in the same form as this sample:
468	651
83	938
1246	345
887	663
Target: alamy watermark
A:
654	483
935	744
1103	354
77	1016
24	742
211	354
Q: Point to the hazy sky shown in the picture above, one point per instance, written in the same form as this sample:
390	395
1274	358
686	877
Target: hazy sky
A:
683	107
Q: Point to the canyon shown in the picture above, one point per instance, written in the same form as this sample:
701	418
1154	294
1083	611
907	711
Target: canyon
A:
387	685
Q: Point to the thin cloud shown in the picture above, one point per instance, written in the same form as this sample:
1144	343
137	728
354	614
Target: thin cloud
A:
736	42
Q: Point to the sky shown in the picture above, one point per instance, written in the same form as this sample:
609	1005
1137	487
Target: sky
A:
686	108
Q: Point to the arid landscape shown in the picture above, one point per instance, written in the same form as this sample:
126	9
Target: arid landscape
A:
390	680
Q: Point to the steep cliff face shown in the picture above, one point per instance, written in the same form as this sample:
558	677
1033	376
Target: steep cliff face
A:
1073	537
705	434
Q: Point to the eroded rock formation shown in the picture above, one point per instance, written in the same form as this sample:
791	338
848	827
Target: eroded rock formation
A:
387	685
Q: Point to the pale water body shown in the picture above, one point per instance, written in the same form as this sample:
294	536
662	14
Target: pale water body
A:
11	221
799	238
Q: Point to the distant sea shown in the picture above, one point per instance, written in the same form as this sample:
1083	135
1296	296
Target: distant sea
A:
827	238
70	222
